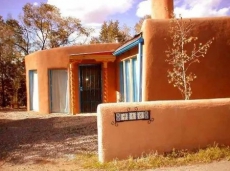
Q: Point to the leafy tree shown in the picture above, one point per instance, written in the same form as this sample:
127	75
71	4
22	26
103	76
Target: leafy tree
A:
11	66
45	28
137	27
179	56
125	33
40	27
111	32
19	36
3	61
94	40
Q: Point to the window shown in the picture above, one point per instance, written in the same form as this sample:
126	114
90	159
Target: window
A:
129	80
59	91
33	90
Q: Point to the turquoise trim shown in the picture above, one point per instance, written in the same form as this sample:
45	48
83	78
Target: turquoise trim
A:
128	47
140	52
134	75
122	91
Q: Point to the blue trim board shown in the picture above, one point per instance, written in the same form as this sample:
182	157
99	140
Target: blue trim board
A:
128	46
140	51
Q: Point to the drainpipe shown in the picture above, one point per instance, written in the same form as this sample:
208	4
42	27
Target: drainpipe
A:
139	61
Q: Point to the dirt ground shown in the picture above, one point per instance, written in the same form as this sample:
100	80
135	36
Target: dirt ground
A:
32	142
29	141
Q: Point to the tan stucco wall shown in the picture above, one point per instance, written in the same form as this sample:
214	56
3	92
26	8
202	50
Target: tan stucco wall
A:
213	71
58	58
177	124
161	9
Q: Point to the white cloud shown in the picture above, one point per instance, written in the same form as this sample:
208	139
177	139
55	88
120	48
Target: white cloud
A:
96	27
190	8
143	8
198	8
92	13
89	11
35	4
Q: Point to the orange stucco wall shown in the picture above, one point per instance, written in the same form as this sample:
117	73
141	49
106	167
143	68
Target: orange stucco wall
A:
213	71
177	124
58	58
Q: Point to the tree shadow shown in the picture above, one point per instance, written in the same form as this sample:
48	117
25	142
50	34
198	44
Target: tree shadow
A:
37	139
9	109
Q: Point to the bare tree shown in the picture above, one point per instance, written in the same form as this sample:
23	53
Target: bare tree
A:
43	27
180	57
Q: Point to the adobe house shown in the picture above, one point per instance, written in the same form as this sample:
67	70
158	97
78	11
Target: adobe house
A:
76	79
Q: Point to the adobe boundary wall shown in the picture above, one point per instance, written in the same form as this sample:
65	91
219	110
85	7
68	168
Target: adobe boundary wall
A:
175	124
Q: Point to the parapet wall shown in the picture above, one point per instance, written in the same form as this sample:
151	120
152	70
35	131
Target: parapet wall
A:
213	78
58	58
175	124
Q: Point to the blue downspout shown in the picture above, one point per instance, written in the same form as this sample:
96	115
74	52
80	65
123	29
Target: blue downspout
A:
140	71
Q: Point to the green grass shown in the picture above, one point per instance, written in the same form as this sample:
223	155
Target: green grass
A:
154	160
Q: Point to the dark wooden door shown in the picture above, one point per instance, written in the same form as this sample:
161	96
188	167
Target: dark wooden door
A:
90	87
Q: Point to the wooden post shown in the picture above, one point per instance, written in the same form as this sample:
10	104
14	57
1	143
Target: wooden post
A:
72	89
105	82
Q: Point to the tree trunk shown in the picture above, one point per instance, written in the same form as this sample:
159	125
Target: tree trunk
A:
3	103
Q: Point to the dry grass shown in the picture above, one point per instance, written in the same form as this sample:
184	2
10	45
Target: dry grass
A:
174	158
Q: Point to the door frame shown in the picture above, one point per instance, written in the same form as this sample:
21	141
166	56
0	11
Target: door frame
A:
101	83
50	89
31	96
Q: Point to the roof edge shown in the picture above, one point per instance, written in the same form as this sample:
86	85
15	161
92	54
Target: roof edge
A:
129	45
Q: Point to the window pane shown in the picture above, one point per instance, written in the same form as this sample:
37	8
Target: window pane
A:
33	81
121	82
59	97
134	75
127	80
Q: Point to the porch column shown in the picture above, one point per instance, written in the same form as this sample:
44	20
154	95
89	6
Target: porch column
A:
73	98
105	82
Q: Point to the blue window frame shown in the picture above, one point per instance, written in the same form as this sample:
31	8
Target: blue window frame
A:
128	80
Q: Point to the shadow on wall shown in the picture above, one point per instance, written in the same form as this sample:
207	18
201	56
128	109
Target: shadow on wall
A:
38	138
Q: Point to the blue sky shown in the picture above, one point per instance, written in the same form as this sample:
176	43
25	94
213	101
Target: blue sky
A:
94	12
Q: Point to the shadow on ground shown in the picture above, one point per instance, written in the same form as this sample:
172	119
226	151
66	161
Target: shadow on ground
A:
37	139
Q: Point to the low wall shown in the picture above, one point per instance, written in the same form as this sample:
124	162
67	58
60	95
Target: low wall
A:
174	124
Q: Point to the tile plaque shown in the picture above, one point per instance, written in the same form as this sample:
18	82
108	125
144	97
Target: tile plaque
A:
132	116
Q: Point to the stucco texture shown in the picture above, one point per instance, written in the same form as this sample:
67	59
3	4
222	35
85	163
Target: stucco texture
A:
58	58
177	124
161	9
213	78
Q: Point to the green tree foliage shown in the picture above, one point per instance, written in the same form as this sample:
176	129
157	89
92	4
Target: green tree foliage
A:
137	27
111	32
182	54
